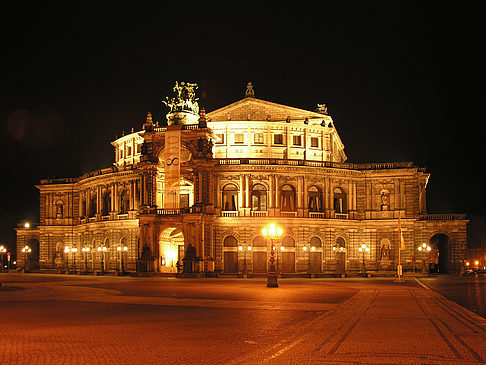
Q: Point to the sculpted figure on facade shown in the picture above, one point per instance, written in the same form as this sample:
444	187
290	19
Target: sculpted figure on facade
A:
184	99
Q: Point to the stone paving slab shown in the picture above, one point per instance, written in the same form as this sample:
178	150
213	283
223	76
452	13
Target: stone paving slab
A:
81	322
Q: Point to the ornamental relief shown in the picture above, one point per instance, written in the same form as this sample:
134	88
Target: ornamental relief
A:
287	178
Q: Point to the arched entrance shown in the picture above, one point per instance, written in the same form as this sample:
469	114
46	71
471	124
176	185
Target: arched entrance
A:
230	245
259	255
171	249
340	252
440	254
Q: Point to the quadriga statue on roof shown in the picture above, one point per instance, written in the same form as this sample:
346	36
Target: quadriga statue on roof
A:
184	100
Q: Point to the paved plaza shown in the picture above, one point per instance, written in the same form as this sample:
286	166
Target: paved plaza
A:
46	319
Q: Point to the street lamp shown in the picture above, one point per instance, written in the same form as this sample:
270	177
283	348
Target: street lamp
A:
425	248
66	251
102	250
120	250
85	251
73	251
272	232
26	250
309	264
363	248
3	250
244	250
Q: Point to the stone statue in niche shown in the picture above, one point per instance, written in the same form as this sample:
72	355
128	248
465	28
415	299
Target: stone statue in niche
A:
59	256
189	259
385	250
385	200
59	211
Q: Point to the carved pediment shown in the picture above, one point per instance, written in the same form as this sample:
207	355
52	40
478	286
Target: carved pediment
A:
260	110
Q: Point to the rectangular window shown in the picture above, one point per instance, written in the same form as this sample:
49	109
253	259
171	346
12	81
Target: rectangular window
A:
239	138
220	138
314	142
258	139
138	147
297	140
129	151
278	139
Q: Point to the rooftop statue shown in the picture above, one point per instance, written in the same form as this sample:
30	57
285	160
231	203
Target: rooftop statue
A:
184	100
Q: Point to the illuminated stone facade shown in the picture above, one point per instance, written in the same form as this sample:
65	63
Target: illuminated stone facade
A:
237	168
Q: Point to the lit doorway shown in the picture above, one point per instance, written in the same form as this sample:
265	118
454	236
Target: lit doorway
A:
171	249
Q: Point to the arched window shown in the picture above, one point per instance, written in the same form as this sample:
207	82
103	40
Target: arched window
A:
259	197
106	203
259	241
230	241
315	242
339	201
124	201
230	197
288	241
287	198
340	243
315	199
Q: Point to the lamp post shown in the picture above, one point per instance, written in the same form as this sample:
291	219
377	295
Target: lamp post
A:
66	252
85	251
425	248
3	250
121	250
308	250
272	232
73	251
26	250
102	250
244	250
363	248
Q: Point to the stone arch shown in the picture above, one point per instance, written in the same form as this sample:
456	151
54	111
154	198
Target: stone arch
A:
314	196
171	248
259	196
339	249
229	197
288	241
315	241
439	258
339	199
230	254
287	197
259	241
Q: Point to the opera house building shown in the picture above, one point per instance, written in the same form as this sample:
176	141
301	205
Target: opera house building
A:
194	196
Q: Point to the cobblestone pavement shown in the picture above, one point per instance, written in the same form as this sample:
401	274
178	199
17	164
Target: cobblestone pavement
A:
49	319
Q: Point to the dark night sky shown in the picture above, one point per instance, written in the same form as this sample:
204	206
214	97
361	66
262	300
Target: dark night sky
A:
399	79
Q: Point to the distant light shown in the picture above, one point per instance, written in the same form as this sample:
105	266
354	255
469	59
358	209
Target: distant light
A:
476	262
27	225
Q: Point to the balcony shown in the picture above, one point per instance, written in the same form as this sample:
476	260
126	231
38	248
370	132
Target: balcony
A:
311	163
287	214
230	213
442	217
259	213
319	215
341	215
